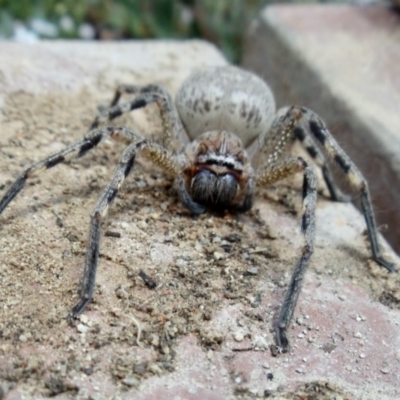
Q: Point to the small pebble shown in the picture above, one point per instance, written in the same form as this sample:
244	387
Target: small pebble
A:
362	355
82	328
142	224
198	247
385	370
22	338
218	255
238	336
141	183
131	381
252	270
342	297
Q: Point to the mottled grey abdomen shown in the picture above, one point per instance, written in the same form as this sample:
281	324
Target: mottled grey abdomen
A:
225	98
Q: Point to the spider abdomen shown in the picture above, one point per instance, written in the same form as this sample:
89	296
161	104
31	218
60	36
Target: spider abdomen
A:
225	98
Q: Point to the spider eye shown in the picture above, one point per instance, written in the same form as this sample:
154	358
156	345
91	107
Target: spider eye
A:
209	188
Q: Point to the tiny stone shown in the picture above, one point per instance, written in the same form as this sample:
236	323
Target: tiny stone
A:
218	255
82	328
265	365
84	319
122	293
299	370
385	370
362	355
260	343
142	224
23	338
131	381
300	335
357	335
155	341
252	270
238	336
342	297
198	247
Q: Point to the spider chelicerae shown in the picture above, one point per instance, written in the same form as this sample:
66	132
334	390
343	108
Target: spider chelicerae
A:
223	110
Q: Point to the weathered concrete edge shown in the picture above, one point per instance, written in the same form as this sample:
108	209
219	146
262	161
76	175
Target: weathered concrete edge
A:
270	51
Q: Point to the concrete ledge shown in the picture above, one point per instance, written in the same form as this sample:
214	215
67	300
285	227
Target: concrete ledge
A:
207	327
342	61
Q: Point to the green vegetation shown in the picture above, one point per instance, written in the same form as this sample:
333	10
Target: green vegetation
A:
220	21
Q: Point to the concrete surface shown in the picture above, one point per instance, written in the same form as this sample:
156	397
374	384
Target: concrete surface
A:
343	62
207	328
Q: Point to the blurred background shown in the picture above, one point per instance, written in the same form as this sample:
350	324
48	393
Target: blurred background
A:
220	21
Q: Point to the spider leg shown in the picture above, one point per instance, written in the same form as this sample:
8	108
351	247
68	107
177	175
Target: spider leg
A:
353	175
273	173
153	151
186	199
173	131
288	126
78	149
309	143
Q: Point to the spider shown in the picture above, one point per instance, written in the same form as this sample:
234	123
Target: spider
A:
223	110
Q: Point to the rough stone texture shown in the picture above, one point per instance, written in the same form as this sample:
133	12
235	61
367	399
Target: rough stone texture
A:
207	327
342	61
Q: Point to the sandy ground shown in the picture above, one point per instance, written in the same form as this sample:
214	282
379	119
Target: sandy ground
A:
207	326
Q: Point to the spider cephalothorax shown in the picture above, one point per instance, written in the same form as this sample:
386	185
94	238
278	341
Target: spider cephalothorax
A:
218	170
223	111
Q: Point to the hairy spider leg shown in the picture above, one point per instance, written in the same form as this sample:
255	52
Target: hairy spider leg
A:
309	143
159	156
151	150
288	125
352	174
172	133
78	149
272	174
